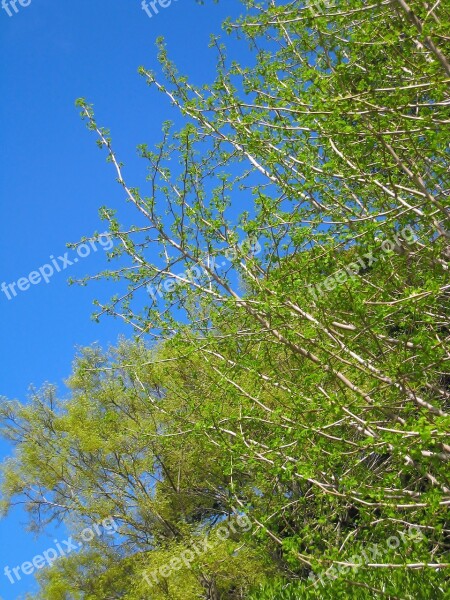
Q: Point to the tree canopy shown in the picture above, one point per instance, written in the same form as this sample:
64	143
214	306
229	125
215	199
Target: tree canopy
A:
288	380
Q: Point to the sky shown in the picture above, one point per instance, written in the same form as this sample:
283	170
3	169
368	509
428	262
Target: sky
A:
53	180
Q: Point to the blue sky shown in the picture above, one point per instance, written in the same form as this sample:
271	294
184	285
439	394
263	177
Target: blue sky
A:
53	178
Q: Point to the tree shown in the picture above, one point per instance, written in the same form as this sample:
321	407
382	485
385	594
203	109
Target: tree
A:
311	332
122	448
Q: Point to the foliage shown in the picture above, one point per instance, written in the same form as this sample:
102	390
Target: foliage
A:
304	385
